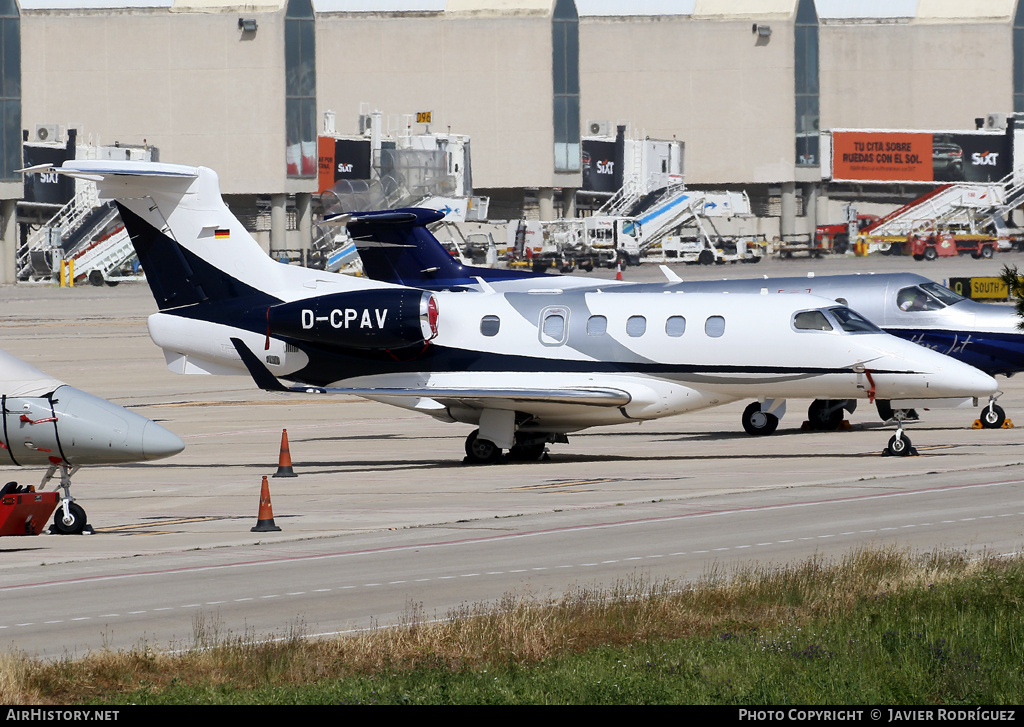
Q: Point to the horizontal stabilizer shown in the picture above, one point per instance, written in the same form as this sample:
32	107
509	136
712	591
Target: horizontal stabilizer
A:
395	246
97	169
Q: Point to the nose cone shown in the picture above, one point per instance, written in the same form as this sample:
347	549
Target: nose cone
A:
158	442
952	378
976	381
928	374
96	431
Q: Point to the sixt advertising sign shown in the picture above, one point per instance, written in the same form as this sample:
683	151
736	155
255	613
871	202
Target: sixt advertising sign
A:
599	162
48	187
905	156
342	159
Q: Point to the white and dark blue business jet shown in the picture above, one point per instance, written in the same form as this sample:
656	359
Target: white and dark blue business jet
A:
398	247
526	367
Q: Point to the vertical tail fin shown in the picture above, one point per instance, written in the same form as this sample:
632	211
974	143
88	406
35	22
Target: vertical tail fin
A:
191	247
396	247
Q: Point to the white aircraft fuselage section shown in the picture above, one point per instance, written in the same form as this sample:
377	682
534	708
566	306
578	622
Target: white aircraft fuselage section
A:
669	353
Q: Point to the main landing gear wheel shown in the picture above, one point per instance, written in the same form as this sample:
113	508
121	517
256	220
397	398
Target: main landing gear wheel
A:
825	415
526	452
992	417
759	423
74	524
481	451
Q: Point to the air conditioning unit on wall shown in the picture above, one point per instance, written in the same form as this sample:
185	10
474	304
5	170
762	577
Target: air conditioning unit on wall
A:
47	132
599	128
995	121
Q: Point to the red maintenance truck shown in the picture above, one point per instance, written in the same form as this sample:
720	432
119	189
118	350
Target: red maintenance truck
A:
931	244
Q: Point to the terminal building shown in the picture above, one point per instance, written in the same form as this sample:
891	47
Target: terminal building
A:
750	88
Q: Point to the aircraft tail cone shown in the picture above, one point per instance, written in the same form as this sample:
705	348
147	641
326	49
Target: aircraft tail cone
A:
284	461
265	519
618	271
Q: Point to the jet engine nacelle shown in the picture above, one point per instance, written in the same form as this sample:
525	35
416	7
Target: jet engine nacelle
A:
372	319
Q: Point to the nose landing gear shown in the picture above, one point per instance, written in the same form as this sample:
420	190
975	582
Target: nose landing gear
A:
69	518
899	443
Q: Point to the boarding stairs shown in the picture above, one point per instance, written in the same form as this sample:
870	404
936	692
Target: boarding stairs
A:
968	206
103	260
672	210
677	208
36	259
74	234
1013	197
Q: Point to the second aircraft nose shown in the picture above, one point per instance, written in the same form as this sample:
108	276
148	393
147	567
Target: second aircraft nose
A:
158	442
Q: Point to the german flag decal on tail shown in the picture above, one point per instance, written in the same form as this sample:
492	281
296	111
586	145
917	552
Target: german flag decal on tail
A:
222	234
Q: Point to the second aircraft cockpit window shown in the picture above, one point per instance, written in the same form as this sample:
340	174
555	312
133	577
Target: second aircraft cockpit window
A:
926	296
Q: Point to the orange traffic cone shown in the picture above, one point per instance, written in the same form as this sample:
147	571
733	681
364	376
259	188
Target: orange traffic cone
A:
284	461
618	271
265	519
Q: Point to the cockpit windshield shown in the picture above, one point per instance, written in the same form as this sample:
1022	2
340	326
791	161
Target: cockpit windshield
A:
853	322
943	293
926	296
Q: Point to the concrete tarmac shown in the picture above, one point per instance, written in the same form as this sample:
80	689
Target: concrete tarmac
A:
369	469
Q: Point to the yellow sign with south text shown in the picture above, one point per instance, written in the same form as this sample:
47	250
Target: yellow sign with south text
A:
979	288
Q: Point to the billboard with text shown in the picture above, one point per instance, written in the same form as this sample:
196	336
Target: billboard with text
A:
920	156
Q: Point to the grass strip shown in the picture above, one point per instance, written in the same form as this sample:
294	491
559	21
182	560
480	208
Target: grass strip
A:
876	627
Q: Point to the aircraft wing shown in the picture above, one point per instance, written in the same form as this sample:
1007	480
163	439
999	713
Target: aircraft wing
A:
593	396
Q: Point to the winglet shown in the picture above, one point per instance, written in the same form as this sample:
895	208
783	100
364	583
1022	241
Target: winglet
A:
484	285
670	274
260	374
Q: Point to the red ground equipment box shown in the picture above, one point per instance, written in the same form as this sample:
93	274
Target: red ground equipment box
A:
26	513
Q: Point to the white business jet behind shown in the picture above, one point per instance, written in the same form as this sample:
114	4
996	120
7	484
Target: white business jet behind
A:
526	367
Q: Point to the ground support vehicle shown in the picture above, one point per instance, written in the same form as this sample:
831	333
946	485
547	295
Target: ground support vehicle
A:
838	235
702	250
932	245
792	245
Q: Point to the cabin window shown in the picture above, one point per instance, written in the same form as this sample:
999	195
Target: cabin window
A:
675	326
636	326
597	326
489	325
553	328
811	320
714	326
